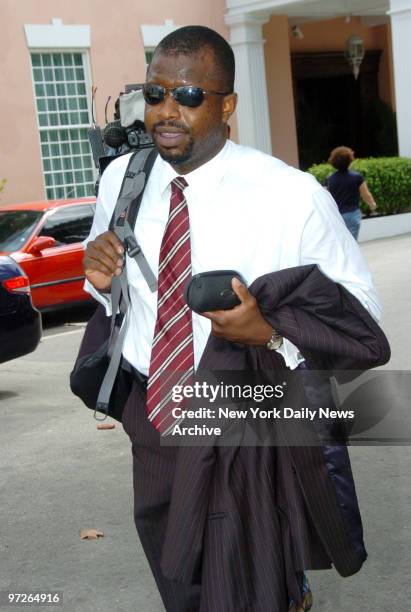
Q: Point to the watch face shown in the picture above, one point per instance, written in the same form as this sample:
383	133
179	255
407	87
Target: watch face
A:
275	342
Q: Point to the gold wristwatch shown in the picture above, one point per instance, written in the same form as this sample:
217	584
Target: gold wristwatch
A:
275	341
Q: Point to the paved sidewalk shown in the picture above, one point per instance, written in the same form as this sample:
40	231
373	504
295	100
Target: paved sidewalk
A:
382	474
59	475
390	263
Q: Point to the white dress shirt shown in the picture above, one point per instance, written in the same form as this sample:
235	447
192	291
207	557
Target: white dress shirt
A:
249	212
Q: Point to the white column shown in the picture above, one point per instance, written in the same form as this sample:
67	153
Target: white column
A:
250	83
401	42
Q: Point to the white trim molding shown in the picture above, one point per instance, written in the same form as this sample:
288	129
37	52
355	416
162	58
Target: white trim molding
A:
316	9
397	7
153	34
57	36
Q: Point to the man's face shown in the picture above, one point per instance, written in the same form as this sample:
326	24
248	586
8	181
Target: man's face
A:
188	137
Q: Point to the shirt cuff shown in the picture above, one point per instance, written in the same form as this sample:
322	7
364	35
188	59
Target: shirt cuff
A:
290	354
103	298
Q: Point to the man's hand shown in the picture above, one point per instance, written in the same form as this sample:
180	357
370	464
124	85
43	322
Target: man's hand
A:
103	259
243	323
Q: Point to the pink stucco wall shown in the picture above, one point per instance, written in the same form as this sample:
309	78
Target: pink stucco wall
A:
116	58
280	90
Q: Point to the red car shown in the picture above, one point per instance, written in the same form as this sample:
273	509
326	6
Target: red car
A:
45	239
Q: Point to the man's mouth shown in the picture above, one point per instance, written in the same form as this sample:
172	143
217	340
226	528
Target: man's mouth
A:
168	136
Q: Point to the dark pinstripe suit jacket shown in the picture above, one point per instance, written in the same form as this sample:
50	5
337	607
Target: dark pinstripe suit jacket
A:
233	507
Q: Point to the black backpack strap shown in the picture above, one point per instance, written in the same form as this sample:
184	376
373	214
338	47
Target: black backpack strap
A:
140	161
127	208
128	203
135	204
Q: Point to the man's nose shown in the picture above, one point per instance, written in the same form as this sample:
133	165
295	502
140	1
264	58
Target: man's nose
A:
169	108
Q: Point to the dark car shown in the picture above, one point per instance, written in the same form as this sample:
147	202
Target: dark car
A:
20	322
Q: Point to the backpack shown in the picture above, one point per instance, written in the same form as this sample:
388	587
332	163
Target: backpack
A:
97	377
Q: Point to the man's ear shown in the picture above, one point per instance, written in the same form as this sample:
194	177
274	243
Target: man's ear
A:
229	106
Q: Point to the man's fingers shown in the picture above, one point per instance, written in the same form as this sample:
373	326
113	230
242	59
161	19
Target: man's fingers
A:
106	249
97	265
240	290
113	250
215	316
106	256
111	238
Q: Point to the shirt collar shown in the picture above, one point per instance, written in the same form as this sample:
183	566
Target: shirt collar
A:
209	174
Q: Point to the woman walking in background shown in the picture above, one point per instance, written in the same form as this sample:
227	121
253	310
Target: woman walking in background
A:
346	187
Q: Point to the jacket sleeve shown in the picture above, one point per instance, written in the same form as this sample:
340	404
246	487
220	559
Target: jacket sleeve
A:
329	325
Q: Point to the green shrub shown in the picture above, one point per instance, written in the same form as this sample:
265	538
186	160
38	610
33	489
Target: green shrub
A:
388	179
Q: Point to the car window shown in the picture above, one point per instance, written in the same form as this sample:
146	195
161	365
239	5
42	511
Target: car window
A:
16	226
69	225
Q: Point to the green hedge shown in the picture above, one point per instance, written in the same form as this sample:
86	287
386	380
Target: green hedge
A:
388	179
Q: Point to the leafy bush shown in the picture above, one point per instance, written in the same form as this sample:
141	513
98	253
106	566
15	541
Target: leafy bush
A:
388	179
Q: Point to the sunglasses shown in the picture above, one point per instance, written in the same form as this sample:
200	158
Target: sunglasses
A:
185	95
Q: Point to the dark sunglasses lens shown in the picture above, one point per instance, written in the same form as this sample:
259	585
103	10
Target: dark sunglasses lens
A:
189	96
153	94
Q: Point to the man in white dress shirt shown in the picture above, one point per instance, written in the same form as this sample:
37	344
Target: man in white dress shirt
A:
247	211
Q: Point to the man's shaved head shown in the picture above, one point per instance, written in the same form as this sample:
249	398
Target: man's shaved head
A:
193	40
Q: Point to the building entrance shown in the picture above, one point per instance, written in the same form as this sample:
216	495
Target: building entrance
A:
334	109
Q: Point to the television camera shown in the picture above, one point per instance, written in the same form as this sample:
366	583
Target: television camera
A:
126	133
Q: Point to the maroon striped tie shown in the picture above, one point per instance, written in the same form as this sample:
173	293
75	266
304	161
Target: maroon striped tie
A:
172	353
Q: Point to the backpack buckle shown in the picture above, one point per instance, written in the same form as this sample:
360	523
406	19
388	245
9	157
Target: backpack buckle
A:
132	246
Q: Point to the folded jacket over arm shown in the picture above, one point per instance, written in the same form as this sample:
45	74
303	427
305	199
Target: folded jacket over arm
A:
252	500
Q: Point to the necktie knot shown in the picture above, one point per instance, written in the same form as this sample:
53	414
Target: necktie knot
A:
178	185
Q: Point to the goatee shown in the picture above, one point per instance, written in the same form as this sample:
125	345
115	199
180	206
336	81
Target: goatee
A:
177	158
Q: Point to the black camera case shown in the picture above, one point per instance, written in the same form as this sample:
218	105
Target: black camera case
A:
212	290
